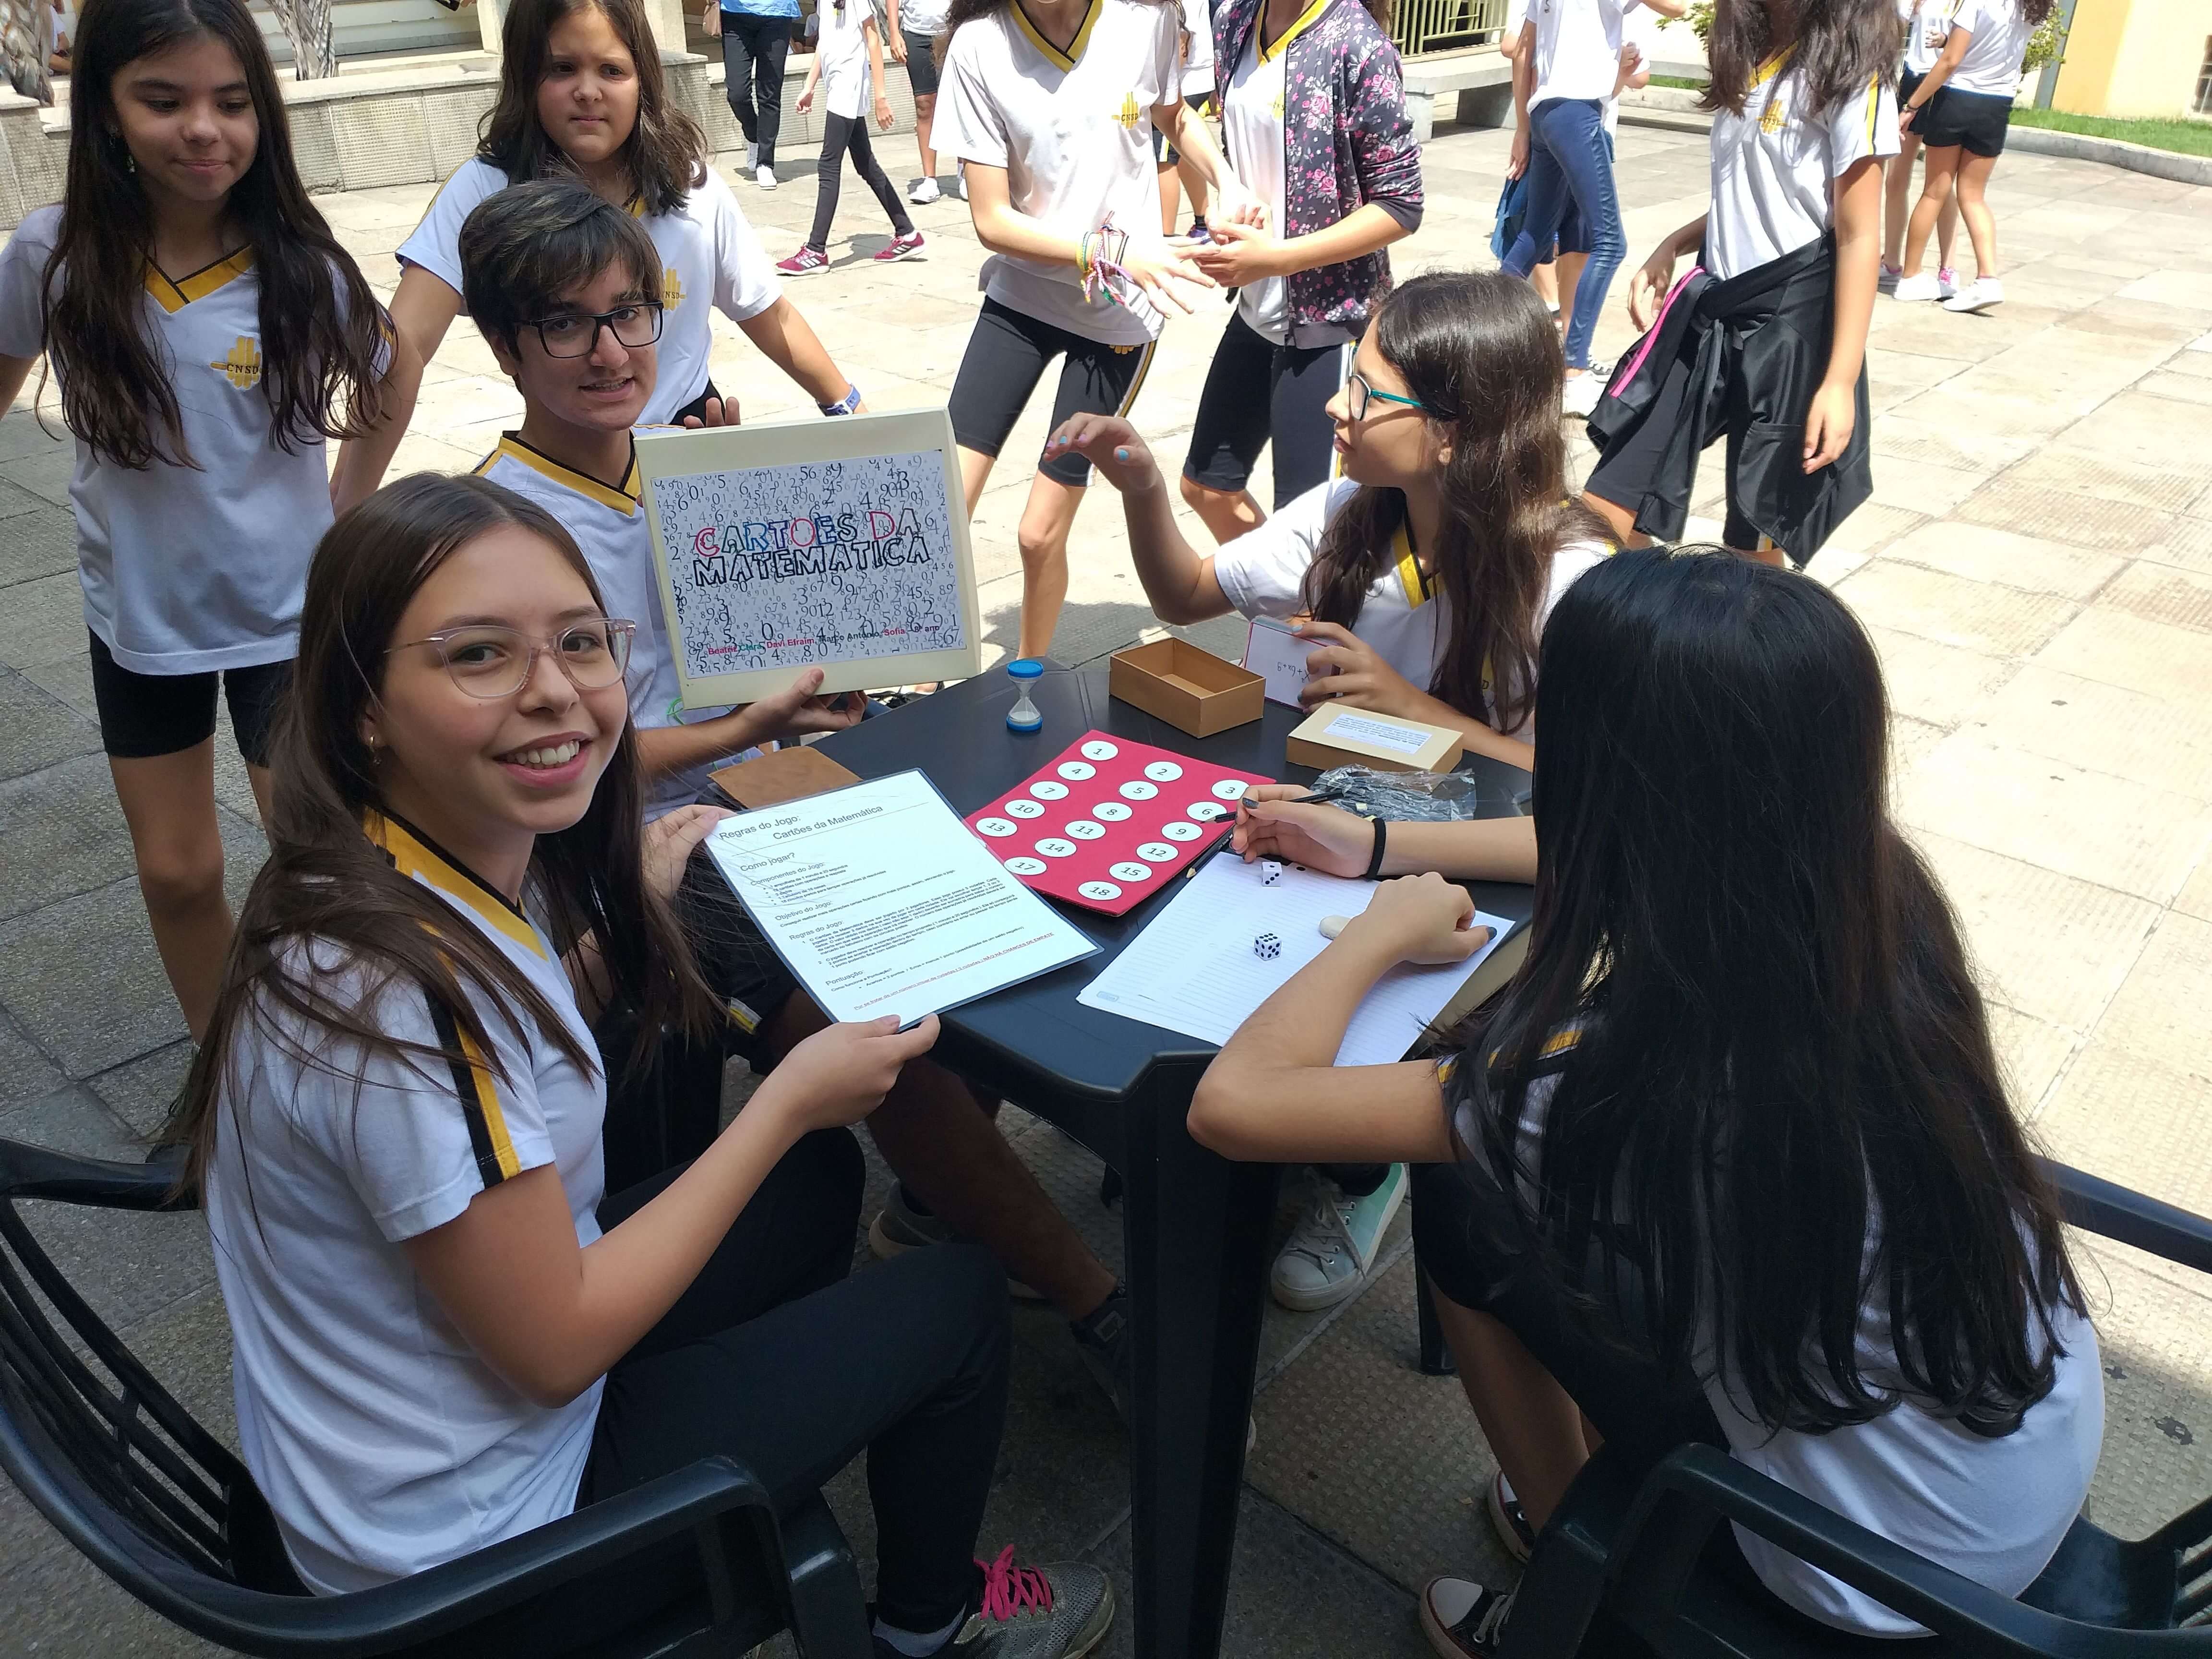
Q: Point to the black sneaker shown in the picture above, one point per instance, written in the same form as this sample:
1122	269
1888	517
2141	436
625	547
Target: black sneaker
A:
1106	1342
1059	1612
1463	1619
1507	1521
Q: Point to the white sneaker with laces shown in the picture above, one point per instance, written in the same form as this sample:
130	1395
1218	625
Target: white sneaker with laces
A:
1463	1619
1886	282
1581	394
923	193
1946	282
752	155
1917	289
1977	295
764	176
1330	1252
960	184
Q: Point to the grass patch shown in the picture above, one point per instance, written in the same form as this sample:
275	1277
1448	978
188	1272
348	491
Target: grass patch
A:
2182	137
1680	83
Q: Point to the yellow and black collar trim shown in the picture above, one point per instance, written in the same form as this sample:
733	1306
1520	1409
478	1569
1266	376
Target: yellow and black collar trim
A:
173	295
1054	55
624	501
1307	19
414	854
1411	576
1772	67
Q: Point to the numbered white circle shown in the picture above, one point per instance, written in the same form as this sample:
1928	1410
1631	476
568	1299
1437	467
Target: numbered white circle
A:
1046	789
1101	890
1077	771
1099	749
1025	809
1137	791
1207	812
1163	771
1181	832
1054	847
1132	871
1230	789
1084	829
995	827
1113	811
1026	866
1158	851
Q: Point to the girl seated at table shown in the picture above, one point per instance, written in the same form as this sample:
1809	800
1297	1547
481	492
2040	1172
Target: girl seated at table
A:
1423	573
446	1333
1731	1160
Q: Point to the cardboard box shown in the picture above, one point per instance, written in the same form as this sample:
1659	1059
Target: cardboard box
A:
1336	736
1189	689
791	773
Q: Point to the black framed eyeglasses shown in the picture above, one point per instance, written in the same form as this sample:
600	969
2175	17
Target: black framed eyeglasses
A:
490	662
1358	394
576	334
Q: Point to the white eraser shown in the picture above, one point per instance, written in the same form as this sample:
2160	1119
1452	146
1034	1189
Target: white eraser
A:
1332	926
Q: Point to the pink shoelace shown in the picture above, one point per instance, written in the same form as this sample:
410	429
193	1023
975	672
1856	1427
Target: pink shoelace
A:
1009	1591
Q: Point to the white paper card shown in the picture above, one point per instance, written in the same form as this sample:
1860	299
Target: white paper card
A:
1194	968
883	902
1405	740
1279	657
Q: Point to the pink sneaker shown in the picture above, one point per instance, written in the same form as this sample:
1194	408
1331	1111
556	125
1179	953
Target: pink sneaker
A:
807	262
898	247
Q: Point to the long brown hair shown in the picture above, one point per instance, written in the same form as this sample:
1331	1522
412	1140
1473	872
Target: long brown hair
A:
329	922
322	331
1479	351
665	152
1839	48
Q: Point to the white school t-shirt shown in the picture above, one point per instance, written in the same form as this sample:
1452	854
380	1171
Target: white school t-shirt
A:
1992	66
1198	73
1640	26
1073	131
709	256
1774	174
186	570
615	534
1577	47
1993	1510
1252	122
924	18
1403	617
842	48
1925	31
384	1443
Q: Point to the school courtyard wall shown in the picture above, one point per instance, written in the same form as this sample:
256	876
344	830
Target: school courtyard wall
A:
2134	56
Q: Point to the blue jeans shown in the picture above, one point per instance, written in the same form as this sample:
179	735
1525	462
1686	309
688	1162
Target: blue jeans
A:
1569	167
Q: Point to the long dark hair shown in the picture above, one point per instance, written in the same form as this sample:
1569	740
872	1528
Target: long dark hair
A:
322	331
967	11
665	152
1479	351
1837	49
1782	1106
326	884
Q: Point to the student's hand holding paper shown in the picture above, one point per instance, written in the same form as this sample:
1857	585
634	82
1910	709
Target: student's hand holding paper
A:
1420	919
796	711
670	841
1347	669
840	1075
1272	822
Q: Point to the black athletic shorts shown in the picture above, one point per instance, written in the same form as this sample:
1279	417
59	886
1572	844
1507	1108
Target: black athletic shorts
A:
1908	82
697	407
1006	357
921	63
1257	392
145	715
1976	120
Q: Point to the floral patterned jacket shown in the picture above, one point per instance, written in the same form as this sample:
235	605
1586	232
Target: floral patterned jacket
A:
1347	143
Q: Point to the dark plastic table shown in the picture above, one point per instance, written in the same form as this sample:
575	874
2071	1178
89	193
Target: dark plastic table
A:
1196	1224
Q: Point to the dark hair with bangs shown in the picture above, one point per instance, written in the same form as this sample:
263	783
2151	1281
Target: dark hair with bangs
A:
326	885
665	152
323	334
1480	352
1781	1110
1835	48
524	246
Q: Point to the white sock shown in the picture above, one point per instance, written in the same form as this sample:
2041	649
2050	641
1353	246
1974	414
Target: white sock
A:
914	1646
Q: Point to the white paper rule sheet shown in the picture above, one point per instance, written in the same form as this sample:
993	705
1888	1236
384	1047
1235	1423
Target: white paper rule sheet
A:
1195	968
883	902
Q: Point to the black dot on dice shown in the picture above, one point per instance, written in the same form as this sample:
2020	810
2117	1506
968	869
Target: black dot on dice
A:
1267	946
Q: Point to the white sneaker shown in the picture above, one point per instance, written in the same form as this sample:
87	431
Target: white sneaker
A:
1977	295
752	155
764	177
1579	400
923	193
1332	1248
960	186
1886	282
1946	282
1917	289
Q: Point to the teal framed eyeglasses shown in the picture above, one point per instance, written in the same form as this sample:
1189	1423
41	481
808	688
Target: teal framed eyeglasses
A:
1358	394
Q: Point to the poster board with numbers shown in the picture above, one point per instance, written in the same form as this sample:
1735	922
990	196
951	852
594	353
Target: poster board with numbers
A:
841	545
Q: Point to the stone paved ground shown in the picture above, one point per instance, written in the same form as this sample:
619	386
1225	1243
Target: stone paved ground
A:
2037	568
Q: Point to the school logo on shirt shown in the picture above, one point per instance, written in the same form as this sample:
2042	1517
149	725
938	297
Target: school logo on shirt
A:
242	364
671	290
1130	114
1771	121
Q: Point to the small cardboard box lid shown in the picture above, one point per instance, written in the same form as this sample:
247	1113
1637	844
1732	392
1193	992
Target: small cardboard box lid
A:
1384	740
791	773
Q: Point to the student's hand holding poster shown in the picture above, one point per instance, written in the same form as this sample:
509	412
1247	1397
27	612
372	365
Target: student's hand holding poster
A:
789	546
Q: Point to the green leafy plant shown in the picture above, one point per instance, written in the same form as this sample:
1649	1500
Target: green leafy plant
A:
2047	45
1699	17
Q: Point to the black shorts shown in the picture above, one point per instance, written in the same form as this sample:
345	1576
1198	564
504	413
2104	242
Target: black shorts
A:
1235	420
145	715
921	63
1976	120
697	407
1006	357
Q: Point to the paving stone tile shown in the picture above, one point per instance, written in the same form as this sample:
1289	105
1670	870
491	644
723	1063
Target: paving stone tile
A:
21	434
62	1607
1985	554
2160	594
1924	487
2056	516
36	541
2159	1009
82	978
2032	1053
1910	741
2138	427
2186	388
35	730
1953	610
2157	1457
42	621
141	1091
2108	477
2114	644
1936	441
2194	898
45	472
1872	528
2133	1119
2166	743
2187	289
64	834
2048	944
26	1073
1936	683
2091	825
